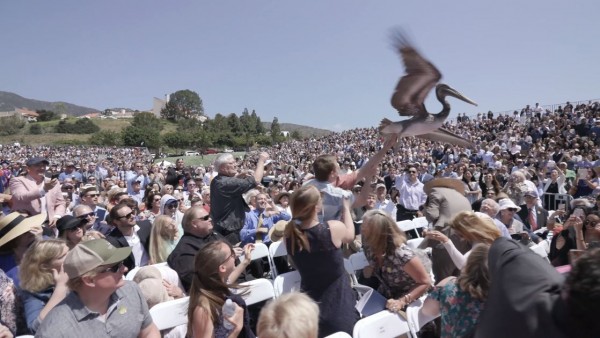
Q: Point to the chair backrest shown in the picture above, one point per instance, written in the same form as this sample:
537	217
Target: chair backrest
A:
420	222
383	324
287	282
406	225
416	318
414	243
339	335
350	271
359	261
538	249
260	250
170	314
276	249
131	274
257	290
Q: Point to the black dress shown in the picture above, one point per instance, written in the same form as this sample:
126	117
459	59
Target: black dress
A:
326	282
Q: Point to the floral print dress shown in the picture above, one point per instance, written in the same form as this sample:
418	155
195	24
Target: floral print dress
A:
459	311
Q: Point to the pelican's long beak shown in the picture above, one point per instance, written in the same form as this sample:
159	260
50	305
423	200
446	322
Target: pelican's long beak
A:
454	93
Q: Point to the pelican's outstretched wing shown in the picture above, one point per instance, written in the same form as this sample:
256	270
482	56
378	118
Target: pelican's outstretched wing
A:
421	76
446	136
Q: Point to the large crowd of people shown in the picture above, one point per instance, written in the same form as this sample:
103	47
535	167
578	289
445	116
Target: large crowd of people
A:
76	219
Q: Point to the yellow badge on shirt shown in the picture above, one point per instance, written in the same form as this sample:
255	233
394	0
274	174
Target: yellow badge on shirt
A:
122	310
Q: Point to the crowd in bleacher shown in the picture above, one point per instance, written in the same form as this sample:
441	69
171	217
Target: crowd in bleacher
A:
78	219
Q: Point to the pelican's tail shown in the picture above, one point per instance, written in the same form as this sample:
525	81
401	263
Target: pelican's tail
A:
384	123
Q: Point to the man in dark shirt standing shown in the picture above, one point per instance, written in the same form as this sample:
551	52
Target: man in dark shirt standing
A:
228	208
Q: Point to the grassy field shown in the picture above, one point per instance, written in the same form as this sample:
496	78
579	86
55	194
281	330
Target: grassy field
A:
48	137
197	160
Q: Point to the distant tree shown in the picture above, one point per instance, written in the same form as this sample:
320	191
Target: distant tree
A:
60	108
188	125
46	115
177	140
276	135
147	120
81	126
258	126
183	104
35	129
233	124
295	134
106	138
141	137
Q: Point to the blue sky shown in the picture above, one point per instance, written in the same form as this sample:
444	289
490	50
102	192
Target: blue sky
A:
324	63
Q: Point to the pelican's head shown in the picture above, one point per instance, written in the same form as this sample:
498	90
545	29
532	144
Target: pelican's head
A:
443	90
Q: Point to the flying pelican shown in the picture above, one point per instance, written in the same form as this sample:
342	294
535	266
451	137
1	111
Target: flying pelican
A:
421	76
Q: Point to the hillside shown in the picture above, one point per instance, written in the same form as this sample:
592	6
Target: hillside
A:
304	130
10	101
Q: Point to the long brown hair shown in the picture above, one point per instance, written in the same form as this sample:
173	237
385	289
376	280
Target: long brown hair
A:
208	291
475	229
475	276
383	236
303	204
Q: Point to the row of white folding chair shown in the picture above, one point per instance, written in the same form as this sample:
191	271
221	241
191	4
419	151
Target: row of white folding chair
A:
540	250
339	335
415	224
256	291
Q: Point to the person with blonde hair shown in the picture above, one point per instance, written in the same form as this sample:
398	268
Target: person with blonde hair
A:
460	300
400	270
43	280
163	238
314	247
292	315
475	228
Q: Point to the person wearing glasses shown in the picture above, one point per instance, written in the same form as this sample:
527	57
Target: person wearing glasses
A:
212	284
508	210
89	196
411	193
137	173
198	232
88	218
102	303
129	233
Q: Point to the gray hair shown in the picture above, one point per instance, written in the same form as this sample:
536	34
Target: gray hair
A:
222	159
492	205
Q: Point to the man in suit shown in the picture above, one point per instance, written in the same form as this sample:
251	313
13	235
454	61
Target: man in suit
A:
35	194
445	198
129	233
532	215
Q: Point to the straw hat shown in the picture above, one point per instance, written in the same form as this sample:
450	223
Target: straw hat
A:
14	225
450	183
280	195
277	230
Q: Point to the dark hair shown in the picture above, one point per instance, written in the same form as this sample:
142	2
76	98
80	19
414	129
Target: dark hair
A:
323	166
583	293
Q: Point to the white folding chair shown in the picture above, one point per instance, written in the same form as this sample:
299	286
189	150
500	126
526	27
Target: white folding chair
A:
339	335
420	222
408	226
538	249
277	249
414	243
359	261
416	318
286	283
261	250
256	291
170	314
131	274
383	324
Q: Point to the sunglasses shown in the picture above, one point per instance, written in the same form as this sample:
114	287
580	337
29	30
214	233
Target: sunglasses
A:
129	215
412	171
90	214
92	195
205	218
512	209
230	256
172	206
157	199
113	269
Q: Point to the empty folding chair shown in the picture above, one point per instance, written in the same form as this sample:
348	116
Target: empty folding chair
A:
256	291
169	314
416	318
384	324
287	282
276	249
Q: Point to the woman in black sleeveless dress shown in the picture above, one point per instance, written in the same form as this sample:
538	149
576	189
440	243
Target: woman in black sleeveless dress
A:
315	250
